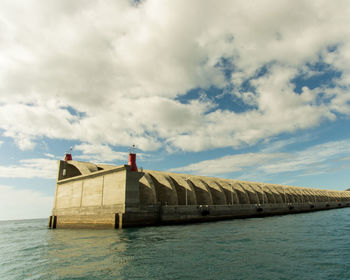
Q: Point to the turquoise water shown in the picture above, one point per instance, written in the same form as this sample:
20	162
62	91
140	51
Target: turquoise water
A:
303	246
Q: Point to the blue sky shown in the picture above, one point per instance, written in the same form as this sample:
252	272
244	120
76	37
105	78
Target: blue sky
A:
251	90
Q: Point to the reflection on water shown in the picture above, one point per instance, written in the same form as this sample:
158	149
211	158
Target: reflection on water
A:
305	246
86	252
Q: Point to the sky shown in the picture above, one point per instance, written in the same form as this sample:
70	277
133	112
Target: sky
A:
249	90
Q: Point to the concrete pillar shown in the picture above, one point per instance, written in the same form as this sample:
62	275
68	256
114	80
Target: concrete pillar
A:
50	221
54	221
118	220
120	225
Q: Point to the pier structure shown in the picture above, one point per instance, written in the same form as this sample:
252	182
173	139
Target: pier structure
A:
108	196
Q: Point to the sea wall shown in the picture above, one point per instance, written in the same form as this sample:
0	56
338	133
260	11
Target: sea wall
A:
107	196
179	198
181	189
90	199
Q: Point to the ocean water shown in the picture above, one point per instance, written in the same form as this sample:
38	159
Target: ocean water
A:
302	246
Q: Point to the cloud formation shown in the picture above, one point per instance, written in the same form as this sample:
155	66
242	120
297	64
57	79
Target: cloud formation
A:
31	168
111	72
318	159
99	153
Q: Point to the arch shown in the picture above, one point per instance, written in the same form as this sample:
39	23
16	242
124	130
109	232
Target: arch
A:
309	195
341	195
282	192
316	197
324	195
291	196
347	195
260	193
166	193
230	193
253	197
303	195
216	191
299	192
241	193
276	194
269	194
312	195
203	195
84	167
185	192
332	195
338	196
147	191
296	195
319	195
344	196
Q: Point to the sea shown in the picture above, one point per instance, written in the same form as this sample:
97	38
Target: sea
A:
299	246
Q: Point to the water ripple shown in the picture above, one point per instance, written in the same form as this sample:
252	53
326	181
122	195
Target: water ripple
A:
304	246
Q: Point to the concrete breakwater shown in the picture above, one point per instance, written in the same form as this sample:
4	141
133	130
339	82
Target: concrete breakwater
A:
100	196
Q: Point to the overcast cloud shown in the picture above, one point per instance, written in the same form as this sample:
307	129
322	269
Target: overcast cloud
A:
110	72
256	90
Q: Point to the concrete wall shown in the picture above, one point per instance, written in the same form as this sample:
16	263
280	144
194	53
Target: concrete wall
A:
93	190
173	189
93	198
89	195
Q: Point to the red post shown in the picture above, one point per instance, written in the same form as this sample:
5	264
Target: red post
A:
132	161
68	157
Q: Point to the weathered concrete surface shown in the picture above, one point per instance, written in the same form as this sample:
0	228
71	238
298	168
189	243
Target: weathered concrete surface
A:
89	195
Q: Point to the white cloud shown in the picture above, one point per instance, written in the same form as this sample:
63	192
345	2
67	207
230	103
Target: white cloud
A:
315	159
277	146
228	164
345	158
31	168
99	153
23	204
49	155
26	122
108	73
